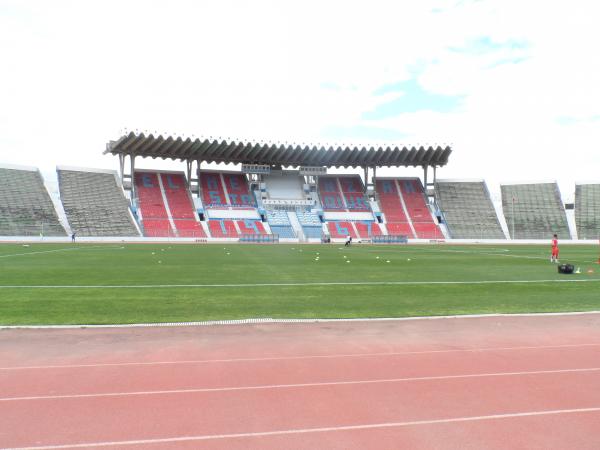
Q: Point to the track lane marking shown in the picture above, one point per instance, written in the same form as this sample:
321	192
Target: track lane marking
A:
298	357
299	385
293	431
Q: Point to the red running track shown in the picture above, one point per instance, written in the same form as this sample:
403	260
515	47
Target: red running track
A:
461	383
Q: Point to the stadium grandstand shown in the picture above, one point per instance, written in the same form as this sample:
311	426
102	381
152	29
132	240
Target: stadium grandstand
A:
467	209
283	192
94	202
587	210
26	208
534	210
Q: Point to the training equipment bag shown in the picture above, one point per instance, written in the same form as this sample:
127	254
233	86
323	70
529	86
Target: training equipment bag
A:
566	268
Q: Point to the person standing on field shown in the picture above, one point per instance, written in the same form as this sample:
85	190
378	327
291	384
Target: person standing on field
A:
554	255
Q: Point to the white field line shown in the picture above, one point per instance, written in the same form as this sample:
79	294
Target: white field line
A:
296	431
299	385
309	283
69	249
497	253
302	357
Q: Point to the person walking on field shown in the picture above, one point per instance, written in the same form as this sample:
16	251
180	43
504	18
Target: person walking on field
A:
554	255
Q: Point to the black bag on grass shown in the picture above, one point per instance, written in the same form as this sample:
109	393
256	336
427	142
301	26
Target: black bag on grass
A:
566	268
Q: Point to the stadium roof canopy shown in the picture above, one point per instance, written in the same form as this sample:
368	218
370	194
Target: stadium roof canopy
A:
212	150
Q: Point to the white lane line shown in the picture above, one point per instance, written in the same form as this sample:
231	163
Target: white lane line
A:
316	283
298	385
270	320
301	357
368	426
69	249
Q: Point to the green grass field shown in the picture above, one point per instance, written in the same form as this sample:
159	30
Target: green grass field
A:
139	283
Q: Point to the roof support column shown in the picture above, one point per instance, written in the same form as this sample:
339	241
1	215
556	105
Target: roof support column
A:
198	162
366	172
425	177
188	167
122	167
132	168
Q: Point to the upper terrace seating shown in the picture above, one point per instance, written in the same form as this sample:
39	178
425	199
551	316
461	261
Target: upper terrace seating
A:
25	205
94	203
181	205
344	192
587	210
151	206
223	189
538	211
468	210
354	193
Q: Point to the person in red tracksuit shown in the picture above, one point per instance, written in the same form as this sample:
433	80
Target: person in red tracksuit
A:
554	256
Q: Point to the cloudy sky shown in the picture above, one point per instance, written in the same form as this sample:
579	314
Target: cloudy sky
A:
513	86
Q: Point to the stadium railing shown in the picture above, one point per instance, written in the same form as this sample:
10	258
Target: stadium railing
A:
260	238
390	239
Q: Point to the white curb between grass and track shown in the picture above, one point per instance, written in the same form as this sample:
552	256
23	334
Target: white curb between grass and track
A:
287	321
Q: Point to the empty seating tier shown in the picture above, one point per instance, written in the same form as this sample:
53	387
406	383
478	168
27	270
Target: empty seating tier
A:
363	229
151	205
310	222
587	210
413	195
94	203
25	205
224	190
534	211
367	229
280	223
403	204
222	228
165	205
342	193
468	210
341	229
181	206
247	226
